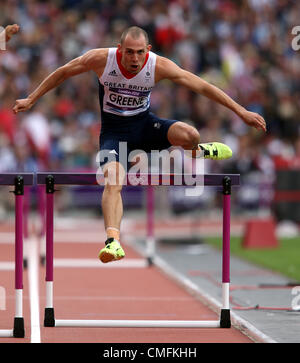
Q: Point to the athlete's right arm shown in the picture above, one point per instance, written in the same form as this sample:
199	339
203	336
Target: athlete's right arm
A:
94	60
10	30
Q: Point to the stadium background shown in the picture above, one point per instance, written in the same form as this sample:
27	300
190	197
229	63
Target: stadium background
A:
244	47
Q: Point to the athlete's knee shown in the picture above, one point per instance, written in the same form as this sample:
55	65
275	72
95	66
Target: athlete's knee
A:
181	134
114	174
192	136
112	189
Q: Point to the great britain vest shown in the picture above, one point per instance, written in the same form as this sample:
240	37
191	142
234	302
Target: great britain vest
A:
123	96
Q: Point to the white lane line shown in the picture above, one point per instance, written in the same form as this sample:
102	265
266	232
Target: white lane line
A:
7	238
7	266
33	274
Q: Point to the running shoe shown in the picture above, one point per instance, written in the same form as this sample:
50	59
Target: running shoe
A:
216	151
112	251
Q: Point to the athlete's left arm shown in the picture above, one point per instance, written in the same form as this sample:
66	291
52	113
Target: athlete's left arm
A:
166	69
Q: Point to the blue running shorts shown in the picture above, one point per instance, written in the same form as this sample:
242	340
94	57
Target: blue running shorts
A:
120	136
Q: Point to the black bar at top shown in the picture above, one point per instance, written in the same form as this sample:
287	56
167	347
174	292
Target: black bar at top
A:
63	178
9	178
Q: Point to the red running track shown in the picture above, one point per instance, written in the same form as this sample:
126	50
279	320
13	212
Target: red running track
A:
105	293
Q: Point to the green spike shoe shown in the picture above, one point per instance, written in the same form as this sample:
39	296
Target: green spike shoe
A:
216	151
111	252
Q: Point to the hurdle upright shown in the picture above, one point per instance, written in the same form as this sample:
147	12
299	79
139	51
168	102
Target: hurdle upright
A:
18	180
223	182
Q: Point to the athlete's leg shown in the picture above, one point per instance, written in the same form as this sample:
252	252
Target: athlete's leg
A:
114	174
186	136
112	205
112	208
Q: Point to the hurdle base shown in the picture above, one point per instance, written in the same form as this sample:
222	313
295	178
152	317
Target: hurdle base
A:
225	318
19	331
150	261
49	319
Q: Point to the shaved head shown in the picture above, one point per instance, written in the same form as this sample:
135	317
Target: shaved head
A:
134	46
135	32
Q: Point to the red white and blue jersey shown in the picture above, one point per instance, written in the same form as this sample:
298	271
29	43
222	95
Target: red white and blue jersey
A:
122	93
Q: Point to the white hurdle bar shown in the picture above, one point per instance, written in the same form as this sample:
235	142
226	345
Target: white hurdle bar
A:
138	323
6	333
51	179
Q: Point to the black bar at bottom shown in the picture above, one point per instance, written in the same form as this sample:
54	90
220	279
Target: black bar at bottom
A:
19	331
225	318
49	319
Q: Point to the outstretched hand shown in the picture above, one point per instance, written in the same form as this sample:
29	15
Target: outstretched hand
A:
22	105
254	119
10	30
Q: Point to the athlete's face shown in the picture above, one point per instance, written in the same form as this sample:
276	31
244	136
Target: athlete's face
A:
134	52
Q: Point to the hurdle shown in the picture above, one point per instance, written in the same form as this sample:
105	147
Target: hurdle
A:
150	239
18	180
222	182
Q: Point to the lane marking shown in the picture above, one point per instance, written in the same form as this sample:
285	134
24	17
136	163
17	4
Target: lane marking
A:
33	274
7	266
7	238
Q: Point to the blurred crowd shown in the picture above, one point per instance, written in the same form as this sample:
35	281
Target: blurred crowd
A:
243	47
